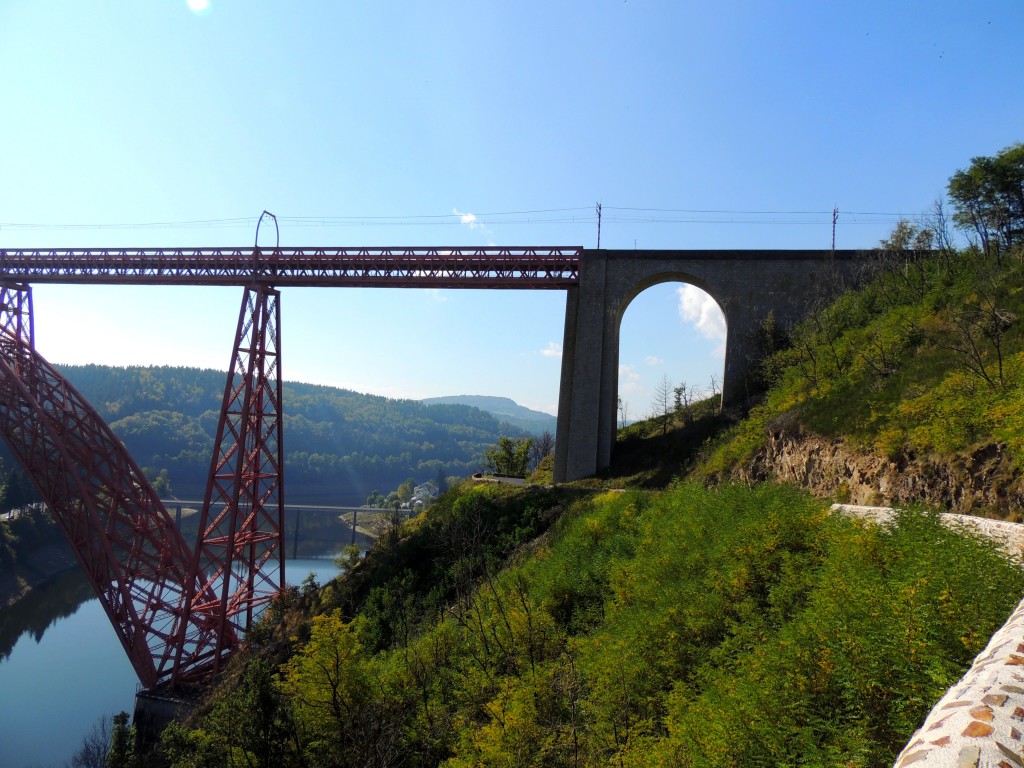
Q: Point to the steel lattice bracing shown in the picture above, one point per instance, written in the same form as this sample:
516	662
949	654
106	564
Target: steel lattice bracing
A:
240	546
126	542
551	267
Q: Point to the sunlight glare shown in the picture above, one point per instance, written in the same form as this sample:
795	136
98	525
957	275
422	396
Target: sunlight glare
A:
198	7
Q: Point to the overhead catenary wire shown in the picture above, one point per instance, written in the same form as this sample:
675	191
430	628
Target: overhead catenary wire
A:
582	215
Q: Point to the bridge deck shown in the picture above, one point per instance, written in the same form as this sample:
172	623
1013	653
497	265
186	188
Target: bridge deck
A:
488	267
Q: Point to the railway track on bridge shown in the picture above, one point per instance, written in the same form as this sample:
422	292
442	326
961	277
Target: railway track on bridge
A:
552	267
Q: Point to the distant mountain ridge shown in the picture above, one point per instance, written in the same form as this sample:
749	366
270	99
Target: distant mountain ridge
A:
504	409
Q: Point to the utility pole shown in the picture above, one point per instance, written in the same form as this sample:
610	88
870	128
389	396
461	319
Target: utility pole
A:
835	216
598	225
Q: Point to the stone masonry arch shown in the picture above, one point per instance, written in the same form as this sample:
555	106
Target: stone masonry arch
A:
747	285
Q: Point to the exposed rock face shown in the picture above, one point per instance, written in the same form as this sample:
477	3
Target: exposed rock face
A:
982	482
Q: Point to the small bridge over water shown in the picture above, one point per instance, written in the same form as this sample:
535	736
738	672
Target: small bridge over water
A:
181	610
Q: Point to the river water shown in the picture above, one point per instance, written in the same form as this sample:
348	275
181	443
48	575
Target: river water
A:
62	669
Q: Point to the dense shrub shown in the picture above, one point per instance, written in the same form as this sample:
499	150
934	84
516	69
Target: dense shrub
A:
730	627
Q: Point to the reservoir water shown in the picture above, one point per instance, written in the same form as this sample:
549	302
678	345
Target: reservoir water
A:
62	669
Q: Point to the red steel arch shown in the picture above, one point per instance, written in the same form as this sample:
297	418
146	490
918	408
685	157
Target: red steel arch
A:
124	538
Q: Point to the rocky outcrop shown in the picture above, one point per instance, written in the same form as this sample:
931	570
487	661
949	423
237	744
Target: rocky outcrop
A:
985	481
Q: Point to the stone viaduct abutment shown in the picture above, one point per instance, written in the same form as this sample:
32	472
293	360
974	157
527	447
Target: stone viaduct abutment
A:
747	286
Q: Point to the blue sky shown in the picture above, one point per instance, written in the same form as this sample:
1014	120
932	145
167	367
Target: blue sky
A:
165	123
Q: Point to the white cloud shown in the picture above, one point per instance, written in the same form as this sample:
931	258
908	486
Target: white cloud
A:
629	380
701	310
552	350
435	294
653	361
469	219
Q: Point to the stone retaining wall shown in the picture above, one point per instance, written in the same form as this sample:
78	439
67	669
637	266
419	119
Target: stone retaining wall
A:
1009	536
980	721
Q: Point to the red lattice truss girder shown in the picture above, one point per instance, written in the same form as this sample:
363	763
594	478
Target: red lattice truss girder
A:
126	542
553	267
242	523
178	612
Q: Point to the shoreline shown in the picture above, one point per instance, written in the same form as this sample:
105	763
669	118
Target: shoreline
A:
41	566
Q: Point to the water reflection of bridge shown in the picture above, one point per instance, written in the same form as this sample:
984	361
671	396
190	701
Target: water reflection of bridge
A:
311	524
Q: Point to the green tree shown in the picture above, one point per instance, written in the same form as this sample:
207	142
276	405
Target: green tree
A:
122	744
348	558
405	490
184	748
988	198
333	687
541	447
162	484
441	481
253	725
509	456
908	237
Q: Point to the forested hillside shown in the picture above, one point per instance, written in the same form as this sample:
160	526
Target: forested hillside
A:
339	445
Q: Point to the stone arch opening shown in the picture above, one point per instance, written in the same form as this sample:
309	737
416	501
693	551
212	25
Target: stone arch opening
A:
747	285
689	354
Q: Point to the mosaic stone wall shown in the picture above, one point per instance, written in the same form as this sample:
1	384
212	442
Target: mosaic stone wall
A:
979	723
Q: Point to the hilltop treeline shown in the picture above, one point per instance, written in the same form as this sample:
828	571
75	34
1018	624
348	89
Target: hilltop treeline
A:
339	445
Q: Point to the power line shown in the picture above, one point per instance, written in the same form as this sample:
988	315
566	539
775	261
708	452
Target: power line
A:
764	213
561	216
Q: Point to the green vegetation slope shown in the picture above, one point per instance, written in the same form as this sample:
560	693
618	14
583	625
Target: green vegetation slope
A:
738	626
923	366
